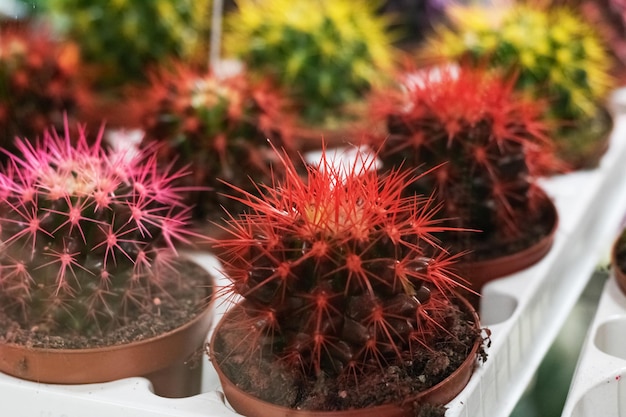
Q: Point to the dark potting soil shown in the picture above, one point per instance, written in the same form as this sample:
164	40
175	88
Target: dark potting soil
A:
189	299
396	382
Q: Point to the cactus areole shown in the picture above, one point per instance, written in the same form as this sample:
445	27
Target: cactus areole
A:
87	255
349	300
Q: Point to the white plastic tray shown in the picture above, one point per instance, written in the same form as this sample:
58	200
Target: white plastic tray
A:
524	312
599	384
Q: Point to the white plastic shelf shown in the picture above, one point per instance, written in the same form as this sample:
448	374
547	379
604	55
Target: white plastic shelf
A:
598	387
524	312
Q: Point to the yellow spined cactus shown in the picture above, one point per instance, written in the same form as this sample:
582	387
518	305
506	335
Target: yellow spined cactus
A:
325	53
555	53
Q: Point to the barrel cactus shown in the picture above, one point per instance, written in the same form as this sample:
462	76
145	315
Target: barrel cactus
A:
341	276
609	16
556	55
487	145
219	126
325	53
40	83
122	38
88	237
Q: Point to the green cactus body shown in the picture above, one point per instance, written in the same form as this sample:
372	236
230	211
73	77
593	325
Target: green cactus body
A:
219	126
485	143
325	54
340	274
39	83
124	37
87	236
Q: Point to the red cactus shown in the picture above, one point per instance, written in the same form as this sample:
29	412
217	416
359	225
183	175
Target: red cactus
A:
40	81
86	235
218	125
339	272
481	134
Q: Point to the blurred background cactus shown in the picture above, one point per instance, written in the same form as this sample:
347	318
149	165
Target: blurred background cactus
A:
341	278
39	83
87	236
554	54
486	143
324	53
217	125
122	38
609	17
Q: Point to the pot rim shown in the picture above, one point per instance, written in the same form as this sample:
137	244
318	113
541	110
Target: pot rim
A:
107	363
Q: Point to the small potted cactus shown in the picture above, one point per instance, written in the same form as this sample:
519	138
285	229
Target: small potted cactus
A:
92	288
219	126
325	54
488	146
39	83
556	56
121	39
349	303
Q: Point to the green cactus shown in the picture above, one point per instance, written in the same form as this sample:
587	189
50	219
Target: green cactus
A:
325	53
122	38
87	236
341	277
555	55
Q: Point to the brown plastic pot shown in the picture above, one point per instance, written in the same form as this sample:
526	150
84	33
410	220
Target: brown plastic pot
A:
478	273
439	394
163	359
620	275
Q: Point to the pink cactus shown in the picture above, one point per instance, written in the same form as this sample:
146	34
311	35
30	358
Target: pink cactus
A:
86	235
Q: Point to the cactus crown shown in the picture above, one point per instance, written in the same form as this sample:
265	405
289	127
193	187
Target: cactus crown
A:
219	126
489	145
123	37
86	236
39	83
339	272
556	54
325	53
